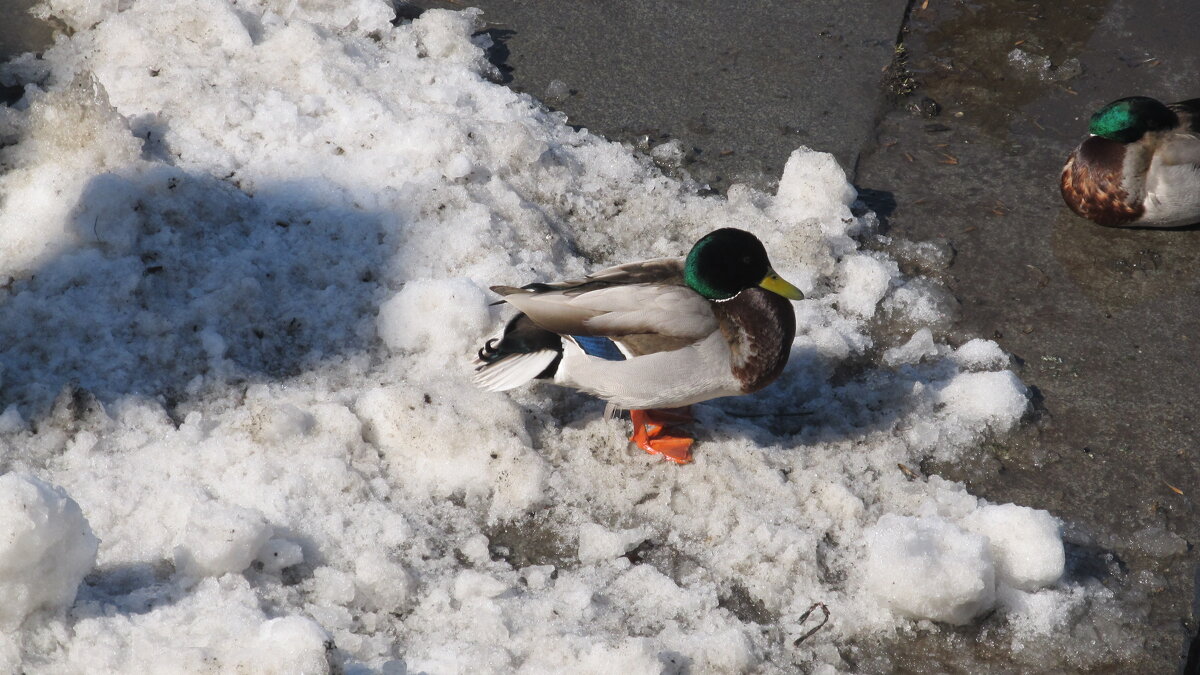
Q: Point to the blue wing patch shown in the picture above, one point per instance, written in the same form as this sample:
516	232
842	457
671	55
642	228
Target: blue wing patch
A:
600	347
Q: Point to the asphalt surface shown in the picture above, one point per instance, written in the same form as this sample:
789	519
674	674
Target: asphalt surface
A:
958	139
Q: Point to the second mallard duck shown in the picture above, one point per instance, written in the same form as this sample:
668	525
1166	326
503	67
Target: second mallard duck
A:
1141	165
653	337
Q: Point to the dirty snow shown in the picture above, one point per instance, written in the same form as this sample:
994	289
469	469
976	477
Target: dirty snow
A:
245	249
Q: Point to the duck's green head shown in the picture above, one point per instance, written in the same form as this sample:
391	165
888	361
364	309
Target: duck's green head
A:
1128	119
728	261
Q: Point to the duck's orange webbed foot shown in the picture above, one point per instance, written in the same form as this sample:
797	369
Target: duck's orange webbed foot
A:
648	433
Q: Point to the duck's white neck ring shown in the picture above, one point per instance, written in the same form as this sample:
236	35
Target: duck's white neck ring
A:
732	297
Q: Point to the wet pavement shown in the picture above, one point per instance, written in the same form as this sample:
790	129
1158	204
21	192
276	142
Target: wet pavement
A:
960	139
738	89
1105	322
19	33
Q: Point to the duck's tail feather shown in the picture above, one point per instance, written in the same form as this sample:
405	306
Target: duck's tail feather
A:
522	352
513	371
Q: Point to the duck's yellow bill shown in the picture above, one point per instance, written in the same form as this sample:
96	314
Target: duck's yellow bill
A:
775	283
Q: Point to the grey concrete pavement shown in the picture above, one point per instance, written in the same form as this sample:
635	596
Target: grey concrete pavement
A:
739	84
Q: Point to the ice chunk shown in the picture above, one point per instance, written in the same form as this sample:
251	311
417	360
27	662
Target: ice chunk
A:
993	399
1041	66
278	554
296	644
284	422
918	346
220	540
980	354
1158	542
839	501
383	584
459	166
928	568
599	543
635	656
441	34
1026	544
813	185
46	548
537	576
332	586
57	184
1068	70
471	584
921	303
1040	613
556	91
669	154
475	549
927	257
11	420
1035	64
438	316
865	280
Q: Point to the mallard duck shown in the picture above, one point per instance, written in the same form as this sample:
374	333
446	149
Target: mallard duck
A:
1140	166
652	337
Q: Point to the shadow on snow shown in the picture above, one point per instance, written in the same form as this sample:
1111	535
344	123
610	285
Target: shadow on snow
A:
188	281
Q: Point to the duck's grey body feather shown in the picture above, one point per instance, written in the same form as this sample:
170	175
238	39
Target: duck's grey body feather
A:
638	299
671	379
1172	192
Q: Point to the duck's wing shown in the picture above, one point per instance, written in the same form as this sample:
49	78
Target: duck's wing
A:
1189	114
667	271
643	306
1183	146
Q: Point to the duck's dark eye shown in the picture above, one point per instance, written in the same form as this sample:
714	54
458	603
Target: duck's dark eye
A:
746	260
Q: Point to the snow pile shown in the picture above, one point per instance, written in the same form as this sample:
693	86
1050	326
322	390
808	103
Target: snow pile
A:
219	540
46	547
1025	543
930	568
248	245
214	624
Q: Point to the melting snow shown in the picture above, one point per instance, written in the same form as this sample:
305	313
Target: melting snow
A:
246	247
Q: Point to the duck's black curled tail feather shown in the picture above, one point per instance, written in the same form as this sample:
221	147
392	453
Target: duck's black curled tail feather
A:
520	336
524	351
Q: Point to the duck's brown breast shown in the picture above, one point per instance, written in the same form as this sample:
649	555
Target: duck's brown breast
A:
759	326
1091	183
